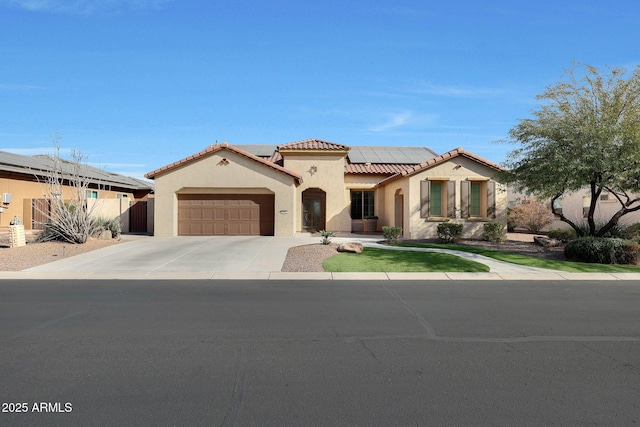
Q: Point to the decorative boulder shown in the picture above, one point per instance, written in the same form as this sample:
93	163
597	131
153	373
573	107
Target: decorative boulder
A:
354	247
546	241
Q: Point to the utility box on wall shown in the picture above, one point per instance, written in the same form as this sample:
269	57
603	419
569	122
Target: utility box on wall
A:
6	198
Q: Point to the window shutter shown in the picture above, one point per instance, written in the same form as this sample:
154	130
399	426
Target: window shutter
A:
451	199
491	199
465	200
424	199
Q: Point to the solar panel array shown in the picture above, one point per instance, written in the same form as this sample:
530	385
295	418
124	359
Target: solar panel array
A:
390	154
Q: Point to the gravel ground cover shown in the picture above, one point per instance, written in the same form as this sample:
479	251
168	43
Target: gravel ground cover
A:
34	254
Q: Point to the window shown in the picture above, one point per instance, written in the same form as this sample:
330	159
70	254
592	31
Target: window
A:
437	199
362	204
586	204
607	197
557	206
91	194
478	199
475	201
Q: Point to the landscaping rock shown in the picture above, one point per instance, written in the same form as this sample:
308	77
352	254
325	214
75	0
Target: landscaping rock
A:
546	242
353	247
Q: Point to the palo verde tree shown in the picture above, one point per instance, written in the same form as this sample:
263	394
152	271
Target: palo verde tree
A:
585	135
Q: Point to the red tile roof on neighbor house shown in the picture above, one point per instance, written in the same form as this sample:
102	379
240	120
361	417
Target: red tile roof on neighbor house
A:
414	169
214	149
313	144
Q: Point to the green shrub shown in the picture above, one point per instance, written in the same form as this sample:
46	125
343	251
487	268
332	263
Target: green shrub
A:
111	224
494	232
603	250
617	231
449	232
391	234
326	236
563	234
632	232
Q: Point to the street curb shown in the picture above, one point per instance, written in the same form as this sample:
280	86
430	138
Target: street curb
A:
324	276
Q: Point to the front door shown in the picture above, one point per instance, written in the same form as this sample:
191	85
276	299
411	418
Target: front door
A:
313	210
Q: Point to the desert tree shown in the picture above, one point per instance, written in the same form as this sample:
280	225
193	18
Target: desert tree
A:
586	134
69	217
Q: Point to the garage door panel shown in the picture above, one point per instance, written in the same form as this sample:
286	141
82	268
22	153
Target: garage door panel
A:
225	214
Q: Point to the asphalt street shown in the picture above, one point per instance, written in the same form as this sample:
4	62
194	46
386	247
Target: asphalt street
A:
316	353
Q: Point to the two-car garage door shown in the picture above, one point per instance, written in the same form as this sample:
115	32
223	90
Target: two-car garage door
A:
225	214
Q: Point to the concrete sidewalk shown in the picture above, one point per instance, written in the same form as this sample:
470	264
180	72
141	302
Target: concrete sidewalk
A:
257	258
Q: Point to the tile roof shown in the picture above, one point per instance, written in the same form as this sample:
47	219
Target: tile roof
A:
375	168
260	150
42	164
372	160
264	151
414	169
313	144
214	149
393	161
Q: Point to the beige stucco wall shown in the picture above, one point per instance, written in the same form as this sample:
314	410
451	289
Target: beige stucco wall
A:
397	187
111	208
457	169
328	176
209	175
22	190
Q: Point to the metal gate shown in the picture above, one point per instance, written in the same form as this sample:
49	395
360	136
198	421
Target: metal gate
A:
40	213
138	217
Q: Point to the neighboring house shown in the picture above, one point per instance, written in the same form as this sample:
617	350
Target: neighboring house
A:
313	185
575	206
23	192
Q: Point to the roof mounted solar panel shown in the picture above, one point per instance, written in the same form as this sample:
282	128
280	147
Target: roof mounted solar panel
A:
390	154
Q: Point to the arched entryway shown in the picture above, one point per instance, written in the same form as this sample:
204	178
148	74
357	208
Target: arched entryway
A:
314	205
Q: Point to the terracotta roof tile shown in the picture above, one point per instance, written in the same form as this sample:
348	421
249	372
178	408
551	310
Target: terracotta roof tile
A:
218	147
413	169
374	168
313	144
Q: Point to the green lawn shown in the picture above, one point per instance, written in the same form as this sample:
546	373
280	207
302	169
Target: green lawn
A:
383	260
572	267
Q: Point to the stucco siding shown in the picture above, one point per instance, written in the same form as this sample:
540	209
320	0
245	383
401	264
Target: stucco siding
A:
214	175
325	172
396	212
458	169
22	191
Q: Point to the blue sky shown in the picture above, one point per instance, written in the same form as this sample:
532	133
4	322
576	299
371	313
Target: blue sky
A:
137	84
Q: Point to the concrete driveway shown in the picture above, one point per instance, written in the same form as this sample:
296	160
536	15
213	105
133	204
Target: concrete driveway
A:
146	255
